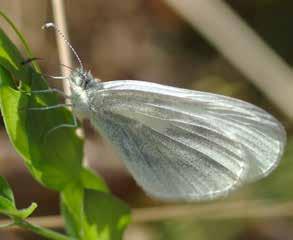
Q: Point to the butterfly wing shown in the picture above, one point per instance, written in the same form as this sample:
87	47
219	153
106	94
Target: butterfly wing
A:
183	144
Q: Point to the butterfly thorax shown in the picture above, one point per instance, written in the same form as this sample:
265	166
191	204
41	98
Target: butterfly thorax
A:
80	82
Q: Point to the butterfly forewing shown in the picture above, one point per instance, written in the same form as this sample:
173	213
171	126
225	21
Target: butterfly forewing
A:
184	144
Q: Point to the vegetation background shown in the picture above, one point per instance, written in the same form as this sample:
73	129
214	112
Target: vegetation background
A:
147	40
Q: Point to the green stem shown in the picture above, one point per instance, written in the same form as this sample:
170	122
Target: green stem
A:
47	233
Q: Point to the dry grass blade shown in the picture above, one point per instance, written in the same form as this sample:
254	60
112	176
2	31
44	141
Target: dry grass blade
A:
64	51
213	211
241	45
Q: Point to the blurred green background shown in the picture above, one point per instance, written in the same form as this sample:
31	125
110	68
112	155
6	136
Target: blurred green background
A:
146	40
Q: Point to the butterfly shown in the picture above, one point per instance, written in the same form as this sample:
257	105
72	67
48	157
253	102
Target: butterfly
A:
180	144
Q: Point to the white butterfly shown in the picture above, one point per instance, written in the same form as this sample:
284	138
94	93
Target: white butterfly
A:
180	144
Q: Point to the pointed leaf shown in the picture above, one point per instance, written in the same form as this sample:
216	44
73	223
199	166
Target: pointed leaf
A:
106	215
72	203
72	210
91	180
90	212
5	190
6	206
54	160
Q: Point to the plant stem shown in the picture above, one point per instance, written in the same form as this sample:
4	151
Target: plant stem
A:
47	233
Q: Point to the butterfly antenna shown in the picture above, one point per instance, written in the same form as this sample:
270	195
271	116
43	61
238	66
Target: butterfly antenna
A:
48	25
29	60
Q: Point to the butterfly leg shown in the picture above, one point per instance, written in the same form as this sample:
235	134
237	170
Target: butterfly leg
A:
51	90
50	107
74	125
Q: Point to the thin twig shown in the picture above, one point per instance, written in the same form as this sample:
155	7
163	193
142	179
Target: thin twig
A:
241	45
239	210
64	51
256	209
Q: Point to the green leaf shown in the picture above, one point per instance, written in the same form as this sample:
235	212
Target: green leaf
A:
55	159
92	181
72	210
110	215
5	190
72	203
21	38
11	59
7	204
106	215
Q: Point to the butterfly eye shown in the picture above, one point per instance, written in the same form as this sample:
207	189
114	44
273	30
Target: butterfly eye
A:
78	80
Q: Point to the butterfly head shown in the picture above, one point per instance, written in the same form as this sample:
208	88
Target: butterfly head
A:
81	79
